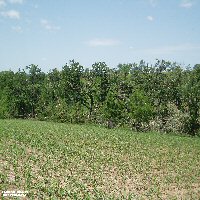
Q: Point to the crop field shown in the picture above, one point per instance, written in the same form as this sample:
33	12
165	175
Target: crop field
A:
66	161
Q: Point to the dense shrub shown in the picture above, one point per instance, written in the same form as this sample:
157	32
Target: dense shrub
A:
175	121
140	109
4	104
163	97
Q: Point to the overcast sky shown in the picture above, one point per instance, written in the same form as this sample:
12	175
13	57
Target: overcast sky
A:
49	33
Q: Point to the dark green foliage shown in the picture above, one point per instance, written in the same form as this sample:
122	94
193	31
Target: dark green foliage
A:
141	110
163	97
191	96
113	108
4	104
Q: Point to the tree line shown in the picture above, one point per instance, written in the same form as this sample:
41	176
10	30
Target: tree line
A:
161	97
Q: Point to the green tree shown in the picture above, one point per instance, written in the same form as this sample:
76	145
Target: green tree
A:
191	93
141	110
35	83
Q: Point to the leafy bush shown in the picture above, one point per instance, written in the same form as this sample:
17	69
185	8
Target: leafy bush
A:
113	108
175	121
4	107
162	97
141	110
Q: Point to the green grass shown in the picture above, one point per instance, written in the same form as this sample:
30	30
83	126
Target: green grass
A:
65	161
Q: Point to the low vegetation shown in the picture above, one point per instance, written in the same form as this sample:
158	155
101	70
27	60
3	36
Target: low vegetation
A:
67	161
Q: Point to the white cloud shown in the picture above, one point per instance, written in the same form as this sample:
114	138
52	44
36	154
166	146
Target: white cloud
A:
153	3
2	3
16	1
103	42
17	29
12	14
150	18
48	26
186	4
170	49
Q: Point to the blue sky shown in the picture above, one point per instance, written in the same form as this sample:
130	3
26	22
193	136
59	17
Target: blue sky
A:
49	33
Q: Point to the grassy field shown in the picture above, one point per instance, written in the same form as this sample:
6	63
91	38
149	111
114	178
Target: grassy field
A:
65	161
